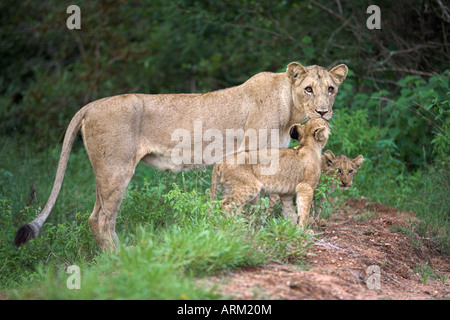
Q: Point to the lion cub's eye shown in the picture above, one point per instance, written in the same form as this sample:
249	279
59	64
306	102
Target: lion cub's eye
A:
330	89
339	170
309	89
350	171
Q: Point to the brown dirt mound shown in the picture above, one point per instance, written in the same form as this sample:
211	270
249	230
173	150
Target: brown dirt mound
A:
360	236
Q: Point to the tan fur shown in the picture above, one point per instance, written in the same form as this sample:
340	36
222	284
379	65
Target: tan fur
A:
122	130
342	169
297	175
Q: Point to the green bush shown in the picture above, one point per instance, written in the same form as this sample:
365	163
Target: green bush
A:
416	116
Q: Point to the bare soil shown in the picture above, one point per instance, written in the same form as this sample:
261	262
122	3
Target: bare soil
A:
359	234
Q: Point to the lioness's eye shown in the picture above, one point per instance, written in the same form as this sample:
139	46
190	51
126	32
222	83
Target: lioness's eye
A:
350	171
330	89
308	89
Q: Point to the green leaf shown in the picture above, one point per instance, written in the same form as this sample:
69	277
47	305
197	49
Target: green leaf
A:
306	40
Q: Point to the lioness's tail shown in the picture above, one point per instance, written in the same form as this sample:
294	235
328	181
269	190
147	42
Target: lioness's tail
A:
31	230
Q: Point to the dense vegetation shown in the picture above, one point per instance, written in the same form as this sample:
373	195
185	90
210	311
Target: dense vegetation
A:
393	108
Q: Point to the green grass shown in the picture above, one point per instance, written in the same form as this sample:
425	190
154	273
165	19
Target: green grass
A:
171	235
162	262
427	273
424	192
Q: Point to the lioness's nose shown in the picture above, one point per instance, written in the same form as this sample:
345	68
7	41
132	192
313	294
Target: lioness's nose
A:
321	112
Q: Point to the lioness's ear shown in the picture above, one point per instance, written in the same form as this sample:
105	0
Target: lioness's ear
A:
338	74
321	133
296	132
295	71
358	161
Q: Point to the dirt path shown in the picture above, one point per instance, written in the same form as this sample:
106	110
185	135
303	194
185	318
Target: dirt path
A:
359	245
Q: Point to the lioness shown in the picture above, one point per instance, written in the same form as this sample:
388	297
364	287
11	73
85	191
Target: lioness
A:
298	173
120	131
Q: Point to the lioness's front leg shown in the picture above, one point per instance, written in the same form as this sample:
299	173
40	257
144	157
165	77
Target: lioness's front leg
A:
304	198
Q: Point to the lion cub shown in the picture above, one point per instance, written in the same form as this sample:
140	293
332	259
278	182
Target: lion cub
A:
342	169
297	175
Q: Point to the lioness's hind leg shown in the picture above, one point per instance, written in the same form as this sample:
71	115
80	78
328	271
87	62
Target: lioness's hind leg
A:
111	185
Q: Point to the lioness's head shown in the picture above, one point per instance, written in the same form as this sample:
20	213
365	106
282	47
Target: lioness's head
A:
314	131
314	88
343	167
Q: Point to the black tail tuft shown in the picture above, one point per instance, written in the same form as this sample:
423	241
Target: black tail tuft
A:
23	235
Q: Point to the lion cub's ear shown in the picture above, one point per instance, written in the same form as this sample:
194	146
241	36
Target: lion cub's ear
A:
321	133
329	156
295	71
296	132
338	74
358	161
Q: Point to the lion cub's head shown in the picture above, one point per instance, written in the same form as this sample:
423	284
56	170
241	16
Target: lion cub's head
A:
312	132
343	167
314	88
